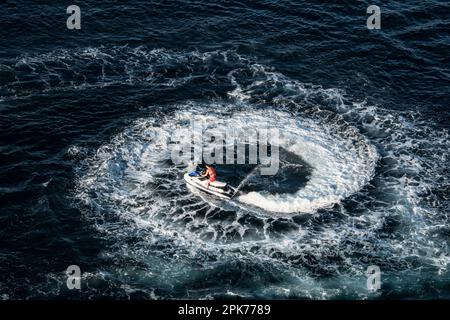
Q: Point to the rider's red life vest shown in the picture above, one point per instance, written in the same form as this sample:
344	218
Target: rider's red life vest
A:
211	174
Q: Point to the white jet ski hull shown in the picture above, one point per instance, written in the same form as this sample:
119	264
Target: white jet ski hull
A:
226	193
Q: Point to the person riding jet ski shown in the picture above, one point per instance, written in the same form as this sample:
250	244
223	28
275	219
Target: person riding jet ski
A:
210	173
204	178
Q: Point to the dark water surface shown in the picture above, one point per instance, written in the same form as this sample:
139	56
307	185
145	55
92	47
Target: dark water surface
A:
364	116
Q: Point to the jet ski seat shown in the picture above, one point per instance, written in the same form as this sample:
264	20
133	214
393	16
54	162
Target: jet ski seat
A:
218	184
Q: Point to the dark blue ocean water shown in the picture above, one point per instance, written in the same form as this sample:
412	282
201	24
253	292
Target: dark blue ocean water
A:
365	119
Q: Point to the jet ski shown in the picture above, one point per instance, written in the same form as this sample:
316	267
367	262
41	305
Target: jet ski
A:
217	188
